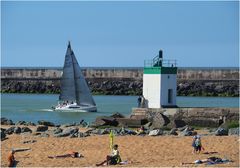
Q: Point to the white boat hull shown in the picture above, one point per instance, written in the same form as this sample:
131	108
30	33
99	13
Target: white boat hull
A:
76	108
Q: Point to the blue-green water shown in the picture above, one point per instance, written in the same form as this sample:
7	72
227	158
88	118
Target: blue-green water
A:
35	107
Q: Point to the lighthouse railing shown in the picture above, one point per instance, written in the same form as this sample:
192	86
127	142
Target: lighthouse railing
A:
160	63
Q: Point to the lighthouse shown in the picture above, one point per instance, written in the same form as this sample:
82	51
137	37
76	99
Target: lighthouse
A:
159	82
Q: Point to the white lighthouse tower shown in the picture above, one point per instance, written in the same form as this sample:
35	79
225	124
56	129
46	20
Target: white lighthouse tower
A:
160	82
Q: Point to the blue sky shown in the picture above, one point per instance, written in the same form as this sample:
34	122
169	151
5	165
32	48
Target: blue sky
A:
120	34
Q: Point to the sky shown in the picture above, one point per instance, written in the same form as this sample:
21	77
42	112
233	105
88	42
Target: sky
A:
120	34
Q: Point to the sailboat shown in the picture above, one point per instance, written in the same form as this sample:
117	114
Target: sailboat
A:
75	94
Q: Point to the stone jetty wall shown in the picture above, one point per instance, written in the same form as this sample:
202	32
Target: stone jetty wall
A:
178	117
122	81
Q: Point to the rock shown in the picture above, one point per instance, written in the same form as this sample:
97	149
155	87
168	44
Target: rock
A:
75	135
67	132
90	131
117	115
46	123
17	130
67	125
159	120
57	130
233	131
10	130
96	131
176	123
147	126
156	132
187	132
104	131
81	134
3	135
182	128
104	120
44	135
5	121
36	133
3	130
173	131
26	129
41	128
20	123
30	124
221	132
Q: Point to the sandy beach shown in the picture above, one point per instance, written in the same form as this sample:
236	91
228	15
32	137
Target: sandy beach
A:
140	151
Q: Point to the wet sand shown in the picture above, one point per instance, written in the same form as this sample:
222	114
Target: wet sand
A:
140	151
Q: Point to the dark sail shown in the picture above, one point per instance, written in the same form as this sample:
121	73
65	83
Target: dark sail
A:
73	84
68	91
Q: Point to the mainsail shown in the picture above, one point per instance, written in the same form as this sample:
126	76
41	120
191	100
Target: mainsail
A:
73	84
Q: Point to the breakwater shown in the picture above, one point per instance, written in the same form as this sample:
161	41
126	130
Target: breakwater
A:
122	81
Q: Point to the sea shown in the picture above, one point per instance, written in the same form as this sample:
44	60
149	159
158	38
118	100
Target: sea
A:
35	107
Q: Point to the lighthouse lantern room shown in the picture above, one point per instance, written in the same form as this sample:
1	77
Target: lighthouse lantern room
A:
159	82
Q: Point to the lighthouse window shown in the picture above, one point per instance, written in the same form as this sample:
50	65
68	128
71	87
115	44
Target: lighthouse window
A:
170	95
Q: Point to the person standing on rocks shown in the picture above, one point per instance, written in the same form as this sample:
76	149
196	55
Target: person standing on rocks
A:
139	101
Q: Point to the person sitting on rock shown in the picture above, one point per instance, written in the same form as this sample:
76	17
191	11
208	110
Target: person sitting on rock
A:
112	159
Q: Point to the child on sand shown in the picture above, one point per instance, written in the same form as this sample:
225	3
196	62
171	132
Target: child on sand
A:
197	144
112	159
11	159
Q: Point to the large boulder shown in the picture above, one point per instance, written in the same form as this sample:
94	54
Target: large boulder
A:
233	131
57	130
156	132
188	131
5	121
46	123
20	123
17	130
67	132
3	135
159	120
221	132
147	126
82	134
41	128
173	131
26	129
176	123
10	130
104	120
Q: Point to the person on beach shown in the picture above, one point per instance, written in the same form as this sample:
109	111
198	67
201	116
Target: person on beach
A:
210	160
112	159
197	144
139	101
70	154
11	159
140	131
